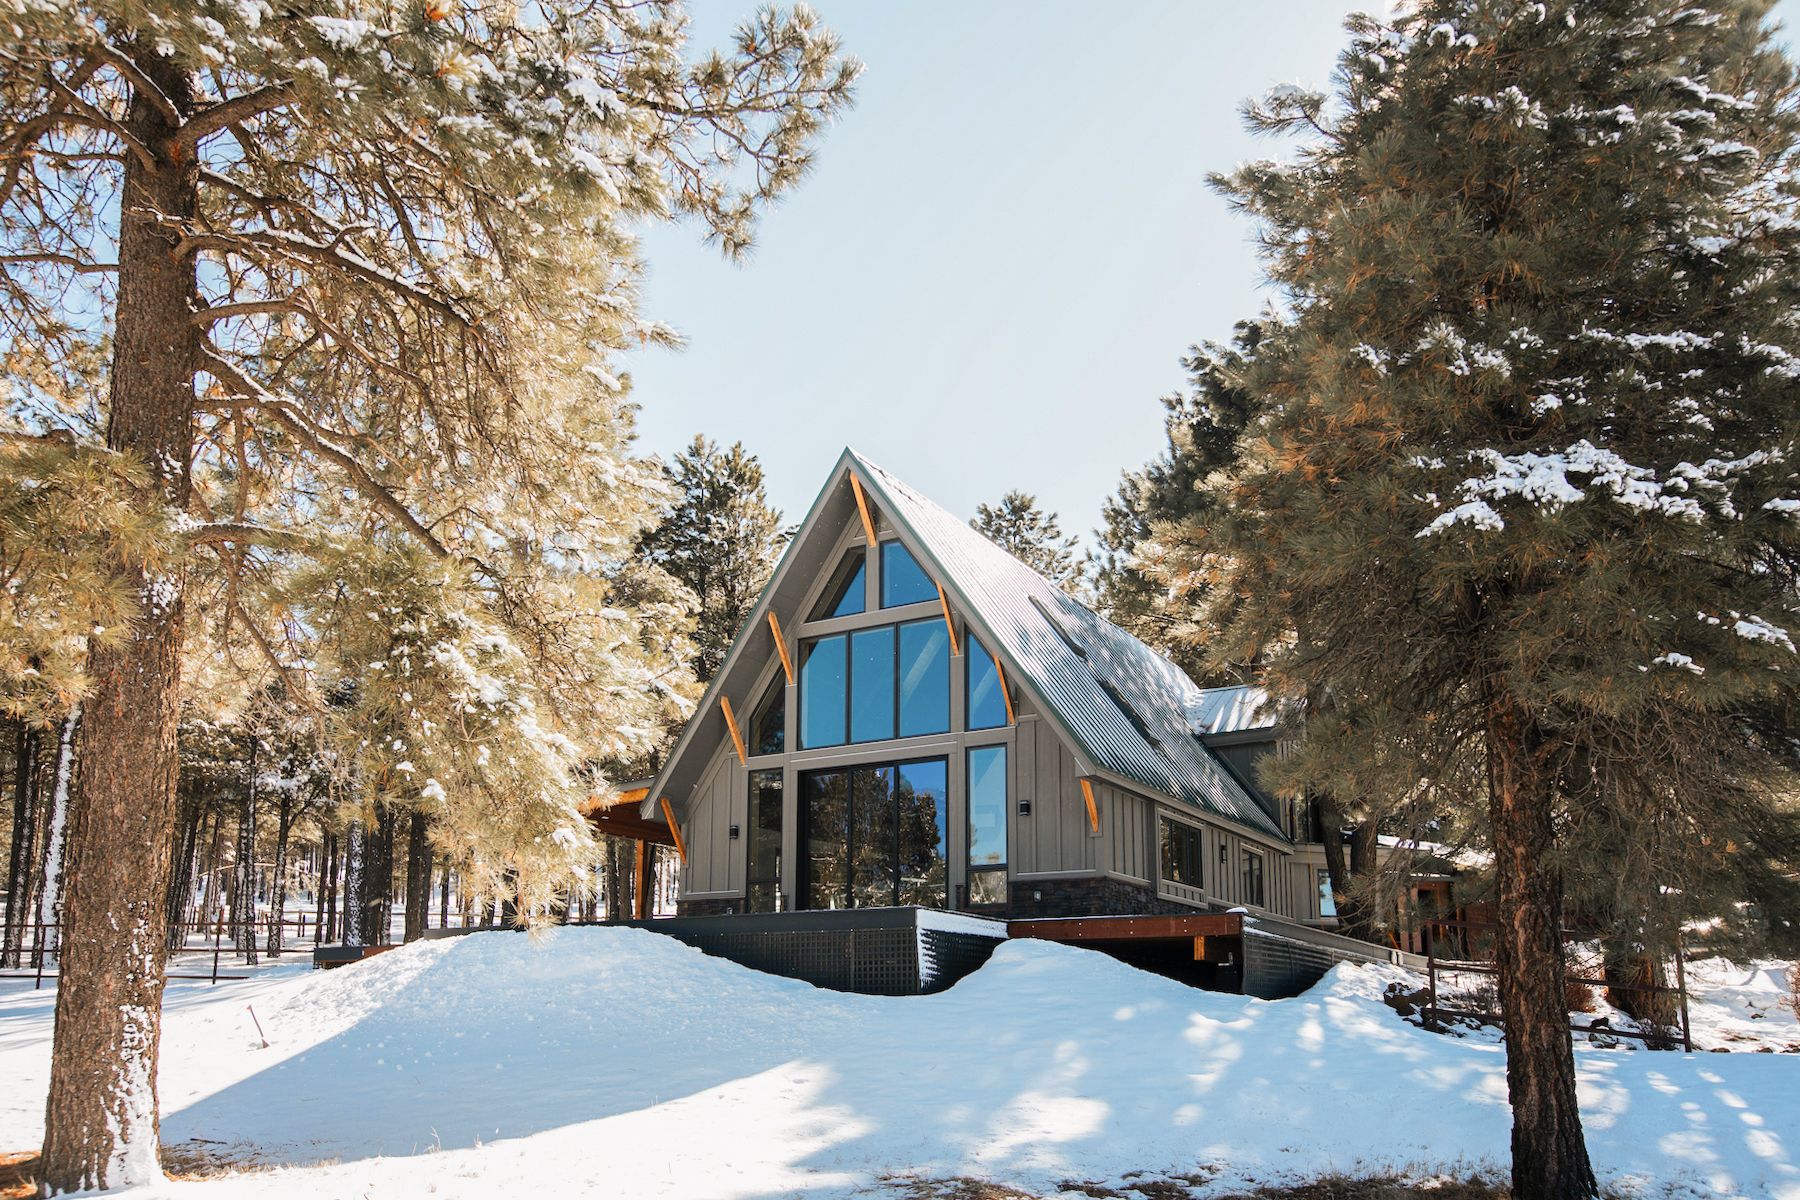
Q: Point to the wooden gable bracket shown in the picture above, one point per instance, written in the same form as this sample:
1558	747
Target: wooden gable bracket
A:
862	506
787	664
737	735
1093	810
1000	677
674	828
951	626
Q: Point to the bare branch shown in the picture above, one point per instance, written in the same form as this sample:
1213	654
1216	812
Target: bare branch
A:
65	260
239	108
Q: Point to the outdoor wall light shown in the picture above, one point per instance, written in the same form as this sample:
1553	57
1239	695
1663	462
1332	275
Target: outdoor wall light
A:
734	833
1222	858
1024	807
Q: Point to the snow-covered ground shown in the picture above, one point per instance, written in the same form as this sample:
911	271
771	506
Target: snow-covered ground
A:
619	1063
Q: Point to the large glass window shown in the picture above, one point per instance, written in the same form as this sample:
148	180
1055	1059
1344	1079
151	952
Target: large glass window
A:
823	675
922	798
874	684
1182	857
903	581
1253	879
987	825
987	707
825	819
848	593
768	729
875	835
924	678
764	876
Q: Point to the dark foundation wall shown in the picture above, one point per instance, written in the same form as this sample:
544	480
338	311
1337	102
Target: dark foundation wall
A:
713	907
1095	896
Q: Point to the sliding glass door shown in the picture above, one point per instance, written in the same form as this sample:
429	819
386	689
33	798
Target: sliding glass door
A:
875	835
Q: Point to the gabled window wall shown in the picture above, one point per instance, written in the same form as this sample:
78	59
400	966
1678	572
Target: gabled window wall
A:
867	818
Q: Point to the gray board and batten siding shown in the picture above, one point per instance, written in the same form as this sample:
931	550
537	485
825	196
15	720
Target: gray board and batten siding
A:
1090	702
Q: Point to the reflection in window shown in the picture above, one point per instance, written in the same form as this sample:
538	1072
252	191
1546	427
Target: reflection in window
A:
924	678
823	676
764	876
825	816
768	729
1253	879
848	593
1182	859
875	835
873	870
987	825
987	707
922	801
903	581
1327	901
872	684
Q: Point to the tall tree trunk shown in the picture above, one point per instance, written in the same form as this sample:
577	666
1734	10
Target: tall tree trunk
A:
284	822
353	884
22	862
375	907
101	1119
444	899
418	878
243	890
184	864
56	820
328	887
1549	1154
1350	866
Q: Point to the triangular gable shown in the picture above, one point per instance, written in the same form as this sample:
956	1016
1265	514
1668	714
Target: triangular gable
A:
1119	704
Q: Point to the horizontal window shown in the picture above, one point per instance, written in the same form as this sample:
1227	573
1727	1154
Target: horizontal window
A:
874	684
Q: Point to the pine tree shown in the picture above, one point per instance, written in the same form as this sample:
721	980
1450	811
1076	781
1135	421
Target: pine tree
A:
357	272
719	538
1132	586
1018	526
1521	505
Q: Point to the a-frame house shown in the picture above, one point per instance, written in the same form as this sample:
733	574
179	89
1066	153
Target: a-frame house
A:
911	716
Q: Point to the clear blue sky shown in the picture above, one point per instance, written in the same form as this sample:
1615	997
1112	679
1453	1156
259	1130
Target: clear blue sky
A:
1004	249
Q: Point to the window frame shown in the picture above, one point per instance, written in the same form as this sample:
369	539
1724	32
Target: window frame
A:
1262	877
971	643
848	638
751	879
775	695
1166	820
881	557
805	832
1004	867
855	559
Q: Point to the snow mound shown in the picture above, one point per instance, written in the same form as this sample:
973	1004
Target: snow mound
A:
618	1062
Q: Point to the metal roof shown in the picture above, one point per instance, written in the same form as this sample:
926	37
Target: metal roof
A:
1238	708
1126	705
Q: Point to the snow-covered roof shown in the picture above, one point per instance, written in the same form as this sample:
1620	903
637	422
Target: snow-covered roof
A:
1125	705
1238	708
